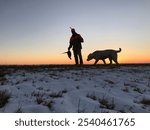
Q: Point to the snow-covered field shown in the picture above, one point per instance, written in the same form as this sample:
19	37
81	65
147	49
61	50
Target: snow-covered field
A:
69	88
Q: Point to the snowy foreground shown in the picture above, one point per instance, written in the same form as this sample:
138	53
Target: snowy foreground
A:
68	88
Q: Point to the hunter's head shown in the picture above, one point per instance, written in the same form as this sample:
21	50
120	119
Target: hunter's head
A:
73	30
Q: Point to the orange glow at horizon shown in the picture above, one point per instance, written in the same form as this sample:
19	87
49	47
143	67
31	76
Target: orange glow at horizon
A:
125	56
63	59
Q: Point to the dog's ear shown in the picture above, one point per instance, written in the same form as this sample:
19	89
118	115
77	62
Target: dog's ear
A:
91	54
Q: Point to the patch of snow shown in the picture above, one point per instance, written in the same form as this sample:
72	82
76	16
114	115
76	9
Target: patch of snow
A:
81	89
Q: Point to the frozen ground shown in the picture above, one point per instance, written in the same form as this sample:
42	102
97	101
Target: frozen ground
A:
64	88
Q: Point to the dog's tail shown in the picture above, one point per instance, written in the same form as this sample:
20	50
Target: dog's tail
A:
119	50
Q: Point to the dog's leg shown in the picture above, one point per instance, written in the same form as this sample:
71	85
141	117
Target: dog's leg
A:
104	61
116	61
110	61
96	62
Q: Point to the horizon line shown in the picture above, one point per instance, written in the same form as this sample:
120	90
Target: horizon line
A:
146	63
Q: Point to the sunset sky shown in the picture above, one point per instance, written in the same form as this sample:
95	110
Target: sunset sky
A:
37	31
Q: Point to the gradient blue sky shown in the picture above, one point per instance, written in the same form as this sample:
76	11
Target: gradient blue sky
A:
37	31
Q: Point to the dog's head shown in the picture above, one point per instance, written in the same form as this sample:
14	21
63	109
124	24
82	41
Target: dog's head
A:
90	57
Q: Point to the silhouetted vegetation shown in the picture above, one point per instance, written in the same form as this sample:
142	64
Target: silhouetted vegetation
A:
4	97
145	101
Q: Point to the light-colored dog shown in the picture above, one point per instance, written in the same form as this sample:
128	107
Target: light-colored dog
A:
104	54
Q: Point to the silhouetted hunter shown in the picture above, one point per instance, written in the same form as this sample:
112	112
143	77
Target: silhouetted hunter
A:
75	43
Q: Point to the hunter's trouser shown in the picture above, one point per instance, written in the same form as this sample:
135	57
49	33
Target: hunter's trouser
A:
78	56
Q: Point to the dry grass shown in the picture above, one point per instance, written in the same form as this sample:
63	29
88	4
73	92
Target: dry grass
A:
3	73
104	103
109	81
19	110
138	90
92	96
39	100
145	101
125	89
3	80
48	103
4	97
56	94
